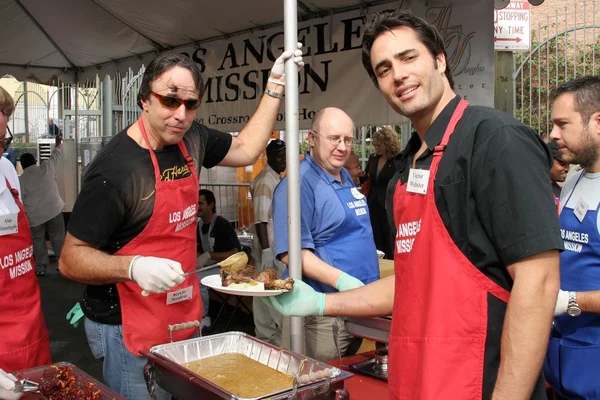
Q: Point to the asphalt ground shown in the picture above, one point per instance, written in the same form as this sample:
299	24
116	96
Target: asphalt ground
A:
69	344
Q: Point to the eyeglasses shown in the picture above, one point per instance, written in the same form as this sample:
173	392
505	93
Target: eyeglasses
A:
336	140
173	103
7	139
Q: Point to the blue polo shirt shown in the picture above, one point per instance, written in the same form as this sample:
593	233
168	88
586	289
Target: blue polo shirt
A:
321	212
322	215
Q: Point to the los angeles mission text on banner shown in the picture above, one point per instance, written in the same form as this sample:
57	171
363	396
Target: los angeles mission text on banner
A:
18	263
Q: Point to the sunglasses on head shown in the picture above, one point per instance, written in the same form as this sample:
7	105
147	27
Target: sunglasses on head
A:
173	103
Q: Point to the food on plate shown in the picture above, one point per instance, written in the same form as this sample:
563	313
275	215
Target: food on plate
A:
64	385
249	278
241	375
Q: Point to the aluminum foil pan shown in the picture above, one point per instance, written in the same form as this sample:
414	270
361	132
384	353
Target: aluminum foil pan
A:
312	378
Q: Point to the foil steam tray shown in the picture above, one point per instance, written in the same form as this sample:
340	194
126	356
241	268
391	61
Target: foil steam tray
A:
313	379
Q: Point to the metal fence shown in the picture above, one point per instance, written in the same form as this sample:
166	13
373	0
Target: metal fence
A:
37	104
233	202
564	46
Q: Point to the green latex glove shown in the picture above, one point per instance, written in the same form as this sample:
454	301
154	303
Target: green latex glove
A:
303	301
75	315
347	282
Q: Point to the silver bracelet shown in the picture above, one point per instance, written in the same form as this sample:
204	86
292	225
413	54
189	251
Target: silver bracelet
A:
274	94
131	265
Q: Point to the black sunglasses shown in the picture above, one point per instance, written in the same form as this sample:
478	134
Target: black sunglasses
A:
8	140
173	103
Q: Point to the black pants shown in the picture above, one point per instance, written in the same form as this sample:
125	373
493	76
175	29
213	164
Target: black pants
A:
381	230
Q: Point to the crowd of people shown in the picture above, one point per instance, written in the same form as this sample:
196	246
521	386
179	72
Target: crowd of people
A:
496	288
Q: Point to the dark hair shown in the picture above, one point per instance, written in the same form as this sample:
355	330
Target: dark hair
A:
210	198
163	63
27	160
587	95
387	20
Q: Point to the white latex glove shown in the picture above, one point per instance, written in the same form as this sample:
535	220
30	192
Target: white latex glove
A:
202	259
7	386
155	275
266	258
562	302
278	70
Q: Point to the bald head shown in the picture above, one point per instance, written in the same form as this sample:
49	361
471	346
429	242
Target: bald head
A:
330	139
329	115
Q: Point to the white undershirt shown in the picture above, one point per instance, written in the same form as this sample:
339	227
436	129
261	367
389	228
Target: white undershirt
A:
587	188
7	201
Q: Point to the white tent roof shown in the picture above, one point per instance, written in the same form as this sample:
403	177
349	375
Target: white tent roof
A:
71	40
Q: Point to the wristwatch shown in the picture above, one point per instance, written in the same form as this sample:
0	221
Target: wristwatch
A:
573	308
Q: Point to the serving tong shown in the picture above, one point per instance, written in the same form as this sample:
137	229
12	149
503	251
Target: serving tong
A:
26	386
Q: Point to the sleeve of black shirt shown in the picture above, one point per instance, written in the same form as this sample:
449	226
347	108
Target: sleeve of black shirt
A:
98	211
225	236
217	147
512	195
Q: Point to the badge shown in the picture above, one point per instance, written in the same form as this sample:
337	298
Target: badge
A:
418	180
581	209
9	224
179	295
357	194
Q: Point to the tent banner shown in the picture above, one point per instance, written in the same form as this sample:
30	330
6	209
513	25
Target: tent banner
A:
235	71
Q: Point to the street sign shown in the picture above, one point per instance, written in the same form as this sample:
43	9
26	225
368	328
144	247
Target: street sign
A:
512	28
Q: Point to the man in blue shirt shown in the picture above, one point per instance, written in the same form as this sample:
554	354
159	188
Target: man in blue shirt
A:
571	365
338	249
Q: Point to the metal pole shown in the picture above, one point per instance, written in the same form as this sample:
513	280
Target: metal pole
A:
290	19
76	185
26	110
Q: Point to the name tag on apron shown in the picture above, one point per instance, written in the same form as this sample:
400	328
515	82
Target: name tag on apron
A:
581	208
418	180
9	224
179	295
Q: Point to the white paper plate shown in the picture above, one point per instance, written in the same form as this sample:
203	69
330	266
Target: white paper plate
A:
214	282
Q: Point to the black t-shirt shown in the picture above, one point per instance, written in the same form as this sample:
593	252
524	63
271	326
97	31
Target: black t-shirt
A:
223	234
493	196
117	199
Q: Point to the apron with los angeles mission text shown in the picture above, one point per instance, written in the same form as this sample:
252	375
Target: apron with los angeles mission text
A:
170	233
24	341
439	324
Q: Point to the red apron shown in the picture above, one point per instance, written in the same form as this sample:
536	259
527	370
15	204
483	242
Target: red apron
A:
170	233
437	340
24	339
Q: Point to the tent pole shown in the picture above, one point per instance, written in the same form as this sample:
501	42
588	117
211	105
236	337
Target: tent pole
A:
76	146
293	170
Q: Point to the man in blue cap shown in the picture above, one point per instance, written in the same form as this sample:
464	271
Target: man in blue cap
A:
267	321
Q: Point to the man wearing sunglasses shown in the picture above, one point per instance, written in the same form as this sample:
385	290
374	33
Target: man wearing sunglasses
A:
338	248
133	226
24	341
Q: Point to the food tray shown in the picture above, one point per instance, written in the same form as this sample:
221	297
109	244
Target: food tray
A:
165	368
48	371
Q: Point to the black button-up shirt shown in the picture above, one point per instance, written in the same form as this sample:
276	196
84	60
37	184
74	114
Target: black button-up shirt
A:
494	196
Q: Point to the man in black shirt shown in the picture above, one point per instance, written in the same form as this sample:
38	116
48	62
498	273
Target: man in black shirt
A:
479	224
132	233
559	170
217	240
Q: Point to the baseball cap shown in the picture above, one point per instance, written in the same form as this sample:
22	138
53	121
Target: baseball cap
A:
275	145
554	152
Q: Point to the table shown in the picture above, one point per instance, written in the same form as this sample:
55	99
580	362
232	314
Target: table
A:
362	387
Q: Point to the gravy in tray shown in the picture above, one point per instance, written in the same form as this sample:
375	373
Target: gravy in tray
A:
241	375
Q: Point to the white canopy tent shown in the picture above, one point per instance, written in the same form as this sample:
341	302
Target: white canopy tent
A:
75	41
